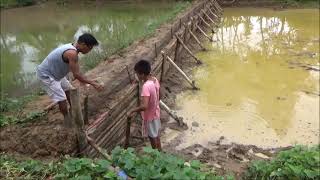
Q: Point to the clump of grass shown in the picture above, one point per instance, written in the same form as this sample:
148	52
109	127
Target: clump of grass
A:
298	163
16	3
10	109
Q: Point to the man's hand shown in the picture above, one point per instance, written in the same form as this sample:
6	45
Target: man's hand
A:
97	86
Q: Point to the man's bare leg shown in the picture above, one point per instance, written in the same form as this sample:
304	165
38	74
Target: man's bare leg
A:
63	106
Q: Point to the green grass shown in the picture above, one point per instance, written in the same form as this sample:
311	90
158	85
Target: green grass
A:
11	108
300	3
16	3
152	164
298	163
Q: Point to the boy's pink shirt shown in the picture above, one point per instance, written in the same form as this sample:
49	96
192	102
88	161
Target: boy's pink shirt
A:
151	88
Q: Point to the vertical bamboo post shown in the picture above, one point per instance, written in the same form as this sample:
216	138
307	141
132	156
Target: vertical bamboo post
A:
85	109
155	49
127	140
162	67
78	118
177	51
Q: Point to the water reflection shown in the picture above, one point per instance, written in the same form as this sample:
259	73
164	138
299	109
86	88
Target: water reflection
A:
249	91
29	34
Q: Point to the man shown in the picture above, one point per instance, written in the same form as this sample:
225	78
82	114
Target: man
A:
53	70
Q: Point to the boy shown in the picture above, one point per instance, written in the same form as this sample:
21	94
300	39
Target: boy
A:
149	106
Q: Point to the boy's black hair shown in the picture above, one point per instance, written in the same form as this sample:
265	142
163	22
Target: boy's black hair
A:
143	67
88	39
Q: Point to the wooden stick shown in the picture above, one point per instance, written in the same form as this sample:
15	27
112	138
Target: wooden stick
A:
187	49
217	5
103	153
197	40
181	72
217	17
129	75
172	114
208	17
215	9
162	67
77	118
85	109
205	22
210	39
127	141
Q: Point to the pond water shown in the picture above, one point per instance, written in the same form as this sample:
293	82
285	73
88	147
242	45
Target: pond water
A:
28	34
260	82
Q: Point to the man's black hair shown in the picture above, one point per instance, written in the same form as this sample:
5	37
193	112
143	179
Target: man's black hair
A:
143	67
88	39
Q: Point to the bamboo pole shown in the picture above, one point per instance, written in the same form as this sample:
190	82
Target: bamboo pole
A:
215	9
217	5
101	151
208	17
162	68
127	141
210	39
172	114
187	49
217	17
77	118
197	40
205	22
180	70
85	109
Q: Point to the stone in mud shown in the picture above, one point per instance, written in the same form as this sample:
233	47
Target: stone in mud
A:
195	124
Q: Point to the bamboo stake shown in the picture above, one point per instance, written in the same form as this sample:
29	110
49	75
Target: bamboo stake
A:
197	40
101	151
77	118
181	72
210	39
173	115
85	109
162	67
217	17
127	141
215	9
187	49
208	17
205	22
217	5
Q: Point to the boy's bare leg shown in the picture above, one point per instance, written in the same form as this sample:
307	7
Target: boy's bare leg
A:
158	142
63	106
153	142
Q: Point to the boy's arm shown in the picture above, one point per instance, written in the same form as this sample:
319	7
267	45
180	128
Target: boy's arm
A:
143	106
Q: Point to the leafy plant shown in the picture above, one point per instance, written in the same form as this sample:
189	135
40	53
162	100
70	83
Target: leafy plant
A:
298	163
153	164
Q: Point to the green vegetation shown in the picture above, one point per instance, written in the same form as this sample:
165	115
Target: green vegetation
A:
297	163
11	108
150	165
16	3
300	3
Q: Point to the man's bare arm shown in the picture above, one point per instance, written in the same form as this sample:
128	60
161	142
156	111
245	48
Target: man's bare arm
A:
72	57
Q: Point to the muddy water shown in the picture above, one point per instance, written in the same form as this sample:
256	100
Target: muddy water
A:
255	88
28	34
